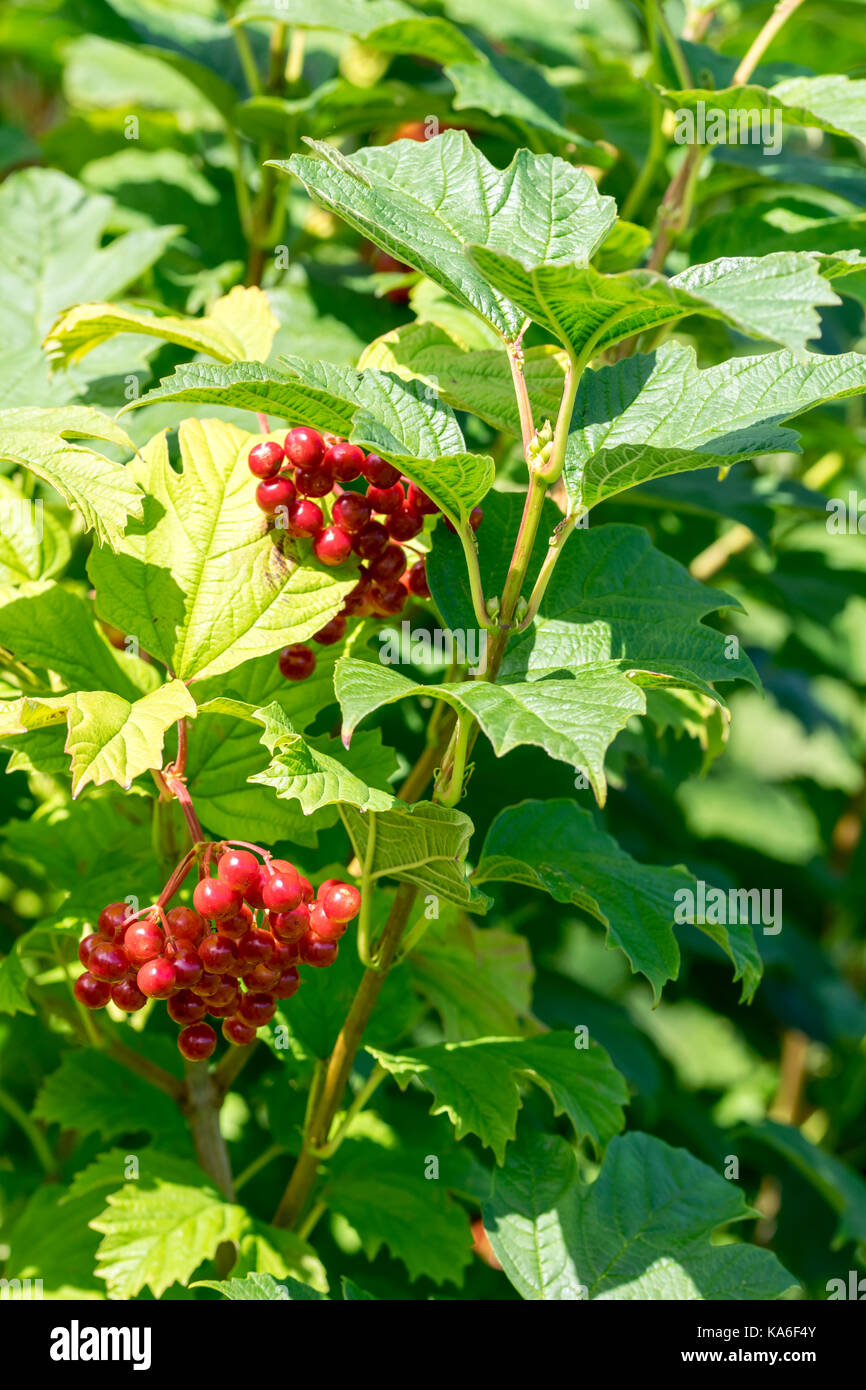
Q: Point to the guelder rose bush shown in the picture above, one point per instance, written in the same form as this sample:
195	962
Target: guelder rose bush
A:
304	889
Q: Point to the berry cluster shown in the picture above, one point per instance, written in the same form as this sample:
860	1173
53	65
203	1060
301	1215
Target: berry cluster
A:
376	525
218	957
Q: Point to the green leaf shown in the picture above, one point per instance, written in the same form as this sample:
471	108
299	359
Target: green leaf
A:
573	720
301	771
479	981
426	204
111	740
51	234
259	1288
234	589
33	543
353	1294
52	1241
830	102
424	844
94	1094
385	24
477	1084
239	327
773	297
157	1236
555	846
656	414
840	1186
503	86
14	998
102	491
640	1231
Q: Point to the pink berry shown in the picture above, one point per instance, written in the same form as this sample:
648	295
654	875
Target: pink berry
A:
112	920
256	947
214	899
305	447
240	923
262	977
341	901
89	944
217	953
371	540
257	1009
380	473
184	924
126	995
318	953
323	926
417	580
332	546
274	493
389	565
296	663
314	482
208	984
196	1042
92	993
386	499
388	597
351	511
287	984
290	926
420	501
187	964
282	891
108	961
157	978
331	632
404	523
143	940
305	519
186	1007
266	459
345	461
237	1032
238	868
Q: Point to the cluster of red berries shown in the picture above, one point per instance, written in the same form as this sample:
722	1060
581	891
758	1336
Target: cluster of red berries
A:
215	957
376	525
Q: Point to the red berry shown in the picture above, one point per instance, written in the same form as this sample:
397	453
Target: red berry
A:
332	546
92	993
126	995
341	901
345	461
371	540
282	891
112	920
356	600
290	926
157	978
208	985
388	598
307	890
417	580
297	662
285	953
237	1032
262	977
257	1009
287	984
196	1042
331	632
143	940
186	1007
256	947
238	868
274	493
187	964
305	447
253	895
323	926
351	511
266	459
389	565
305	518
420	501
108	961
89	944
226	995
386	499
380	473
217	953
404	523
184	924
316	952
240	923
215	899
314	482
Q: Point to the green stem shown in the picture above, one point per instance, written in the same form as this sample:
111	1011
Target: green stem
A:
555	545
681	67
374	1080
34	1134
364	919
248	62
449	787
264	1158
655	150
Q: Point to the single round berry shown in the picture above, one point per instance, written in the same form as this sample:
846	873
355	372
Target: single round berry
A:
282	891
305	447
386	499
371	540
214	899
226	996
157	978
89	944
108	961
389	565
184	924
241	922
186	1007
257	1009
380	473
208	984
143	941
351	511
314	482
404	523
253	895
237	1032
297	662
388	597
421	502
323	926
262	977
308	892
266	459
238	868
126	995
217	953
305	519
256	947
316	952
332	546
285	953
288	983
187	964
92	993
344	460
417	580
290	926
341	901
274	493
196	1042
112	920
332	632
221	1010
